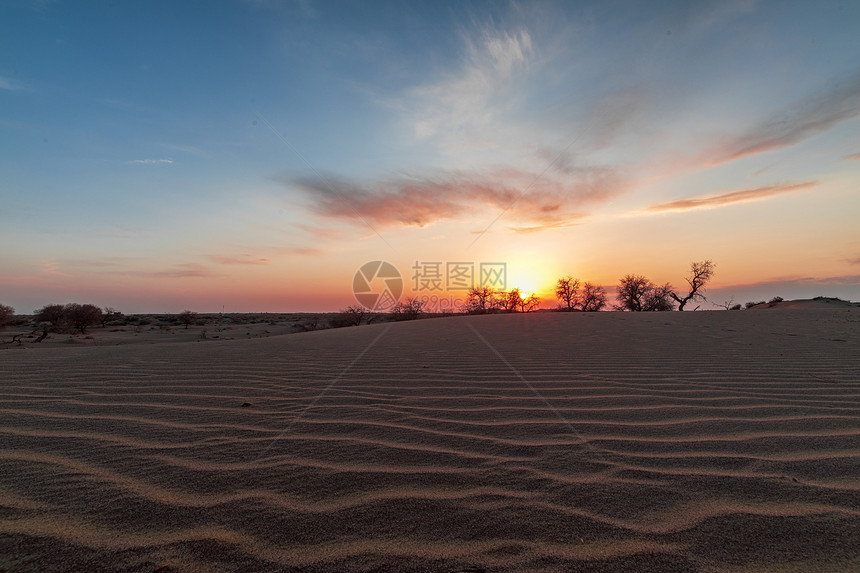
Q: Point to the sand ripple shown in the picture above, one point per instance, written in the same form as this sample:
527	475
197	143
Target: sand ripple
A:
685	442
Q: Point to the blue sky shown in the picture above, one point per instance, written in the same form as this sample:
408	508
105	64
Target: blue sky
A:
162	155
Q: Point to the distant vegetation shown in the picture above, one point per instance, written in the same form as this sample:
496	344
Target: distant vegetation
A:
7	313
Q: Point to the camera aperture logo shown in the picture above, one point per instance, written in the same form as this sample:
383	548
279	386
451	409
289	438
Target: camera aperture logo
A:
377	285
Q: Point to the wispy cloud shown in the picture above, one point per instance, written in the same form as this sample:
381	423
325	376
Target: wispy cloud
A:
149	162
741	196
182	270
855	261
570	221
852	157
52	268
421	201
809	118
463	108
243	260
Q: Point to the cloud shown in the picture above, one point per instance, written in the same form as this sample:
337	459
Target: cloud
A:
462	109
722	199
149	162
810	118
182	270
52	268
243	260
420	201
572	220
855	261
852	157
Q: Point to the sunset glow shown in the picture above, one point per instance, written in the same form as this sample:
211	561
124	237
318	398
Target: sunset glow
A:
256	163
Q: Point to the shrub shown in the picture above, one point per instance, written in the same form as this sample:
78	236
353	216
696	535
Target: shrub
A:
187	317
7	313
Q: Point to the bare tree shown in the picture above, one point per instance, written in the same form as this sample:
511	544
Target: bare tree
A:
480	299
700	274
632	291
528	303
593	298
6	315
409	309
510	301
187	317
351	316
658	298
567	292
636	293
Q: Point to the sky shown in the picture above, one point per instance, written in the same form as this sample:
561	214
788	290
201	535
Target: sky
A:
252	156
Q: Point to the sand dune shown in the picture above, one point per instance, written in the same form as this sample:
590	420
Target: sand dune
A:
718	441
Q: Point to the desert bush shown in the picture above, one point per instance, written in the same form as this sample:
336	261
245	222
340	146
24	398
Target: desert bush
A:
775	300
187	317
735	307
51	313
81	316
7	313
72	316
751	304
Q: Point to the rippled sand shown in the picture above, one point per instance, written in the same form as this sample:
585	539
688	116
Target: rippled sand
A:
718	441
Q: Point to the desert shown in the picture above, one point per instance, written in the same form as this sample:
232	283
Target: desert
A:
704	441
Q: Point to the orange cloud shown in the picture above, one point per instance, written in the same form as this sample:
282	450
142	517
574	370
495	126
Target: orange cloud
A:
526	197
722	199
852	157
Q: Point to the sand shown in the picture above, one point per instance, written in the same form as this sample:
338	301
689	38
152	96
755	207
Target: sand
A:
706	441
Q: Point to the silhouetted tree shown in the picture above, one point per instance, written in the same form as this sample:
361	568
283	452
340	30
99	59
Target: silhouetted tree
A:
187	317
593	298
528	303
351	316
6	315
658	298
567	292
409	309
631	291
80	316
51	313
480	299
636	293
700	274
510	301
